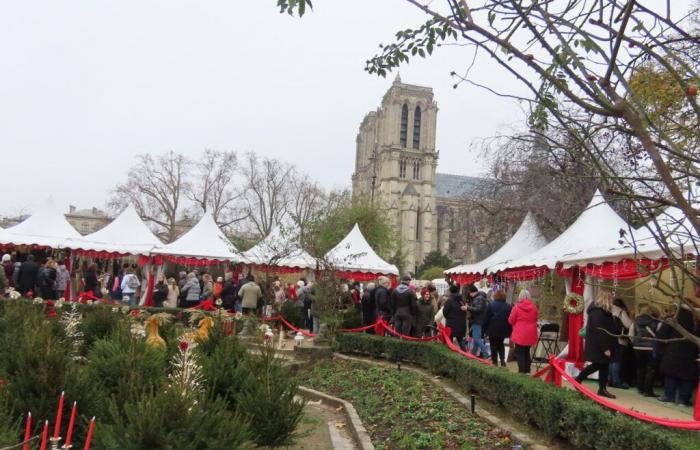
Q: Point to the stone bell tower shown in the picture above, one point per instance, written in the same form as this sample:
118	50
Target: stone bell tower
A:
395	164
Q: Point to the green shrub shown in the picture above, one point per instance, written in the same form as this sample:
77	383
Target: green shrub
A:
431	273
162	420
293	314
98	323
223	373
351	318
558	412
266	400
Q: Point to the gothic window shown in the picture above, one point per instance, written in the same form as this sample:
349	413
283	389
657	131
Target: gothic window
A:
404	125
419	235
402	168
416	169
416	128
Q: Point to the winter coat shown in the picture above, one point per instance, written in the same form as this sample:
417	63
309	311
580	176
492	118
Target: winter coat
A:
622	323
9	270
207	290
424	315
4	283
680	357
46	277
455	317
125	283
523	319
384	306
478	308
62	278
404	301
160	293
228	294
250	293
173	294
192	290
369	307
643	330
26	277
91	282
496	322
597	340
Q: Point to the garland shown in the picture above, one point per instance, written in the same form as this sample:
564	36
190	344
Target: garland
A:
573	303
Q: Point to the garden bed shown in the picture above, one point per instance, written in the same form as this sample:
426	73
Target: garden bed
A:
403	410
560	413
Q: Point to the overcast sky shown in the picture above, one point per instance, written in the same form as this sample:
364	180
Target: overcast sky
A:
86	85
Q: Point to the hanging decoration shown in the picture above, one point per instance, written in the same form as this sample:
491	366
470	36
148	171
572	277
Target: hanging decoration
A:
573	303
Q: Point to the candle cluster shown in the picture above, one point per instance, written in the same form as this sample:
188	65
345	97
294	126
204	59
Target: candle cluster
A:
57	429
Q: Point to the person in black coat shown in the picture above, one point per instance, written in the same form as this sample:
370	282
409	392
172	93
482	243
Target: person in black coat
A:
368	306
27	275
45	280
160	291
455	312
478	307
228	292
90	280
497	327
679	363
404	301
599	341
383	300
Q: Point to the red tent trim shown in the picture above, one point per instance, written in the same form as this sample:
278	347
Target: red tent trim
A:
524	273
626	270
271	268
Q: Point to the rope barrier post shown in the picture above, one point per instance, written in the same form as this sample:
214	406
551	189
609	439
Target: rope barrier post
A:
472	403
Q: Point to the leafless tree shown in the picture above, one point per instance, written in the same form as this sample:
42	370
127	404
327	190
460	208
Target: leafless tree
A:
213	186
308	201
156	186
265	189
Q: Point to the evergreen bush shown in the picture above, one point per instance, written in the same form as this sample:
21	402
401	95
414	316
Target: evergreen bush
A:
293	314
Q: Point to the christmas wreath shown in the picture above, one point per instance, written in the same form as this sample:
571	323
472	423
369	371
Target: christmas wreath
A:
573	303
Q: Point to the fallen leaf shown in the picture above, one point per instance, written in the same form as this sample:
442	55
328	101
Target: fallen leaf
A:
339	408
340	424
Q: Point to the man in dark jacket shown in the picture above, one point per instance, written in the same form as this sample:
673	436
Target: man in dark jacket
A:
404	301
382	298
369	306
497	327
228	292
26	278
679	363
455	312
478	308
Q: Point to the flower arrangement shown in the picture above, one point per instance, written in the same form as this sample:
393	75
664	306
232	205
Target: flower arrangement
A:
573	303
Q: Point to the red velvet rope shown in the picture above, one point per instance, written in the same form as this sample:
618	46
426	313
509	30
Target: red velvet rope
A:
681	424
403	336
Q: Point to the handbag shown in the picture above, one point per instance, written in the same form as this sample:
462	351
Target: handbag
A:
582	332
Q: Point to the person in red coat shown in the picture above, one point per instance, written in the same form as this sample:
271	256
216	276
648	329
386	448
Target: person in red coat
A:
523	319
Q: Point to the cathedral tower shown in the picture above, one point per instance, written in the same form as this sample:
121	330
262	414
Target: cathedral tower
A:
395	164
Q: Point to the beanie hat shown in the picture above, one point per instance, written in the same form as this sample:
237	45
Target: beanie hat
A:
472	289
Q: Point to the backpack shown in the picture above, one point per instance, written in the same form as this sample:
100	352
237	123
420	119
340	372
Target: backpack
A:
132	282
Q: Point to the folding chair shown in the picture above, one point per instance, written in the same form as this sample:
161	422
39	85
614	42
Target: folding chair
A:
547	344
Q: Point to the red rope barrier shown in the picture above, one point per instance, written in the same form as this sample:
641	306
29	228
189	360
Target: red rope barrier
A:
681	424
403	336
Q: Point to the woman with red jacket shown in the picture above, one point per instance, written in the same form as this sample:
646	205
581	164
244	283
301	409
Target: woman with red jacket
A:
523	319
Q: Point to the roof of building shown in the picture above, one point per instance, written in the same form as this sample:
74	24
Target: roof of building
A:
453	186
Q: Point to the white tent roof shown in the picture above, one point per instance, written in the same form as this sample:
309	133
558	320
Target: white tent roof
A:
527	240
204	241
48	228
597	227
125	234
354	253
641	243
281	248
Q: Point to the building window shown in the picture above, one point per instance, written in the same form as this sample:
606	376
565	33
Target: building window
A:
416	169
84	227
404	125
416	128
419	234
402	168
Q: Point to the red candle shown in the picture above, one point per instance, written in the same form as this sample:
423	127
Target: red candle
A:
59	416
27	432
45	435
88	439
71	422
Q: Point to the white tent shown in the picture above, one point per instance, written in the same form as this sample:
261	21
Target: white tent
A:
678	232
125	234
527	240
280	248
46	228
354	254
205	241
597	227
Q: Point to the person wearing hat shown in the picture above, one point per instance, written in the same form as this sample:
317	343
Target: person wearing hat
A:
404	302
8	269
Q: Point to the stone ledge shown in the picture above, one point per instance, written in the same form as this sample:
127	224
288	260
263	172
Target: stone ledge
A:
357	429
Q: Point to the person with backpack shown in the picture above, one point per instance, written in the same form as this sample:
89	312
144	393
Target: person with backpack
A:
642	333
129	286
369	307
497	327
46	279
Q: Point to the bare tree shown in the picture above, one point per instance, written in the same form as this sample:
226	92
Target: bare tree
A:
308	201
155	186
265	191
213	189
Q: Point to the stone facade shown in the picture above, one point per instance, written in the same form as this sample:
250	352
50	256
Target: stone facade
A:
87	221
396	165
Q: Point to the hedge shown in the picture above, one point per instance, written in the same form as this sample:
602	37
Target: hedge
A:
558	412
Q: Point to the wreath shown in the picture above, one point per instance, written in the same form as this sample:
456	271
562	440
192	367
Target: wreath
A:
573	303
